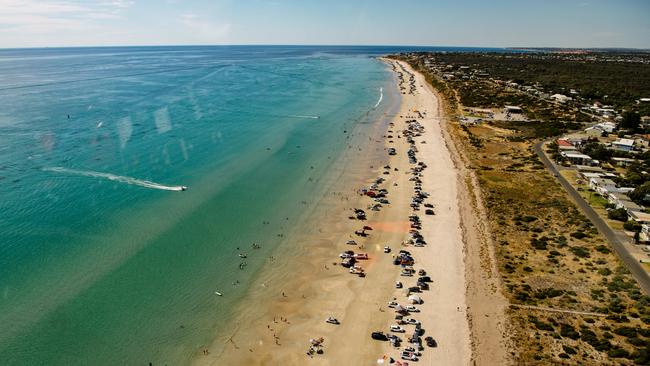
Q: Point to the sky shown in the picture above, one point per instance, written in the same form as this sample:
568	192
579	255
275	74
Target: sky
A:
480	23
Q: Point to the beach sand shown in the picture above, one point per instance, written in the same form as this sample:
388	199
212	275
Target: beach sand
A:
301	285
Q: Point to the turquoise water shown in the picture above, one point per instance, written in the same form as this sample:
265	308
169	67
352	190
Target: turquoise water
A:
117	271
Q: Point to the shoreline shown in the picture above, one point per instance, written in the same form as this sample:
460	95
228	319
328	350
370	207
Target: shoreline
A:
281	331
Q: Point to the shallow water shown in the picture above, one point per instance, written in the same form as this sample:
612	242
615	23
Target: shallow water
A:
103	260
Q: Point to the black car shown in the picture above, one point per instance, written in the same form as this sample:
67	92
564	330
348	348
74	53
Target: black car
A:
431	342
423	285
414	289
424	279
380	336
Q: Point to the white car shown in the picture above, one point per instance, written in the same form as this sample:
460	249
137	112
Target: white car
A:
412	309
406	355
386	249
392	304
411	321
397	329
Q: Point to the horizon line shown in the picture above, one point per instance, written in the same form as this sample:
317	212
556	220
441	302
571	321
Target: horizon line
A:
329	45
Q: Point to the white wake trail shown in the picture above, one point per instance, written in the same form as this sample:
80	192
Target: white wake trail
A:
381	97
116	178
300	116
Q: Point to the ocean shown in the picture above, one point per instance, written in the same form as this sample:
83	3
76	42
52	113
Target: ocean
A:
134	182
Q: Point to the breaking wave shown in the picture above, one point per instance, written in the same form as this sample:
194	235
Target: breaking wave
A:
381	97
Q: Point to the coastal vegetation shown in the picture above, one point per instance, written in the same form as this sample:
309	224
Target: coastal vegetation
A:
616	79
572	300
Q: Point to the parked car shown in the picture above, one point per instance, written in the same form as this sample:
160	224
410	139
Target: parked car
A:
412	350
397	329
380	336
412	309
386	249
406	355
412	321
431	342
398	284
392	304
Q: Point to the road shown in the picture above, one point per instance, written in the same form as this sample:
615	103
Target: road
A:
630	262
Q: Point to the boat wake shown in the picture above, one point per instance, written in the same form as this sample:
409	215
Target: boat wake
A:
116	178
299	116
381	97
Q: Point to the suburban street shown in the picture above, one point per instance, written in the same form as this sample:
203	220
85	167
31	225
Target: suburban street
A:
612	237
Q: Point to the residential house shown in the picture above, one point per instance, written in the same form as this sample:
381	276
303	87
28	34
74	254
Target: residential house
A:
512	109
602	185
565	145
577	158
621	200
623	162
561	98
623	144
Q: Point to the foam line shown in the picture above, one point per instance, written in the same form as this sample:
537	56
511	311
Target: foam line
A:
381	97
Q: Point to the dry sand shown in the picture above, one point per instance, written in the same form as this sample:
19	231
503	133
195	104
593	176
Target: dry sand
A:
301	287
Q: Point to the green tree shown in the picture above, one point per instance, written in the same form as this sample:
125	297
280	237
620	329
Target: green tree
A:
631	121
597	151
639	193
619	214
632	225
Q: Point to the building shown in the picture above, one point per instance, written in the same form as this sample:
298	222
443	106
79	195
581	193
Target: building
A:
640	217
608	127
512	109
561	98
565	145
577	158
602	185
623	144
623	162
621	200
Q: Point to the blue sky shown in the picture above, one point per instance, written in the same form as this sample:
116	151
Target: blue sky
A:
498	23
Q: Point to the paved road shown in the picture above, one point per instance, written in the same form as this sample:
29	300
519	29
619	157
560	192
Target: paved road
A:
630	262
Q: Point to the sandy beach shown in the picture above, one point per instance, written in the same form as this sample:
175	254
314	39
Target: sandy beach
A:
304	284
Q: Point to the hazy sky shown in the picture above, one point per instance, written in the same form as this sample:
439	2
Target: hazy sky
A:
499	23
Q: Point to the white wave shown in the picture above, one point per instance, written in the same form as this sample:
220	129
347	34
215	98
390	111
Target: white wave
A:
301	116
116	178
381	97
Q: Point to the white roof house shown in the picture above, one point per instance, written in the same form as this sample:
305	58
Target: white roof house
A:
623	144
602	186
608	127
512	109
576	158
561	98
623	161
